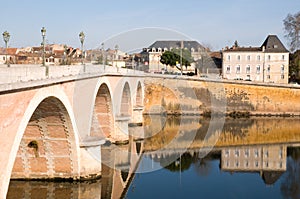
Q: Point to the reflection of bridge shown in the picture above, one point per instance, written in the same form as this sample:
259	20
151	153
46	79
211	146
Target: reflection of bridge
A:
53	127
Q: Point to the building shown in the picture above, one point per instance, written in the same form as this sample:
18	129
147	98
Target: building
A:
268	160
151	55
268	63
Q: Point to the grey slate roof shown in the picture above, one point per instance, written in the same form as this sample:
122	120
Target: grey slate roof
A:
273	44
176	44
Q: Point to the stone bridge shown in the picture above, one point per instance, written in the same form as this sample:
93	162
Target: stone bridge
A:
53	126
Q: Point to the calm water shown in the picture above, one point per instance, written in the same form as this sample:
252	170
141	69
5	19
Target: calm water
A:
193	158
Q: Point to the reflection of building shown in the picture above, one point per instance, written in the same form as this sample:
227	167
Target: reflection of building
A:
268	63
151	55
269	160
254	158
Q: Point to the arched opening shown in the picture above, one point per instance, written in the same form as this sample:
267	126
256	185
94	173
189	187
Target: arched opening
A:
102	124
126	101
139	96
47	149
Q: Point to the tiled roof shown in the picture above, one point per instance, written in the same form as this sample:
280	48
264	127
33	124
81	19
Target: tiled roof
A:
176	44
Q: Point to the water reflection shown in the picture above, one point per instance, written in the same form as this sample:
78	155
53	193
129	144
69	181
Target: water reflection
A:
247	154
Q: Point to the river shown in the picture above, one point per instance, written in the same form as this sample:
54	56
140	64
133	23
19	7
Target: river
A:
192	157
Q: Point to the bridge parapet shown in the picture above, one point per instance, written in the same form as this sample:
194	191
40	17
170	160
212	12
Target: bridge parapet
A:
25	76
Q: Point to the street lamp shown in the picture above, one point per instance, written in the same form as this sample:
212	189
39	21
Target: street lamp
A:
6	37
82	37
43	31
102	51
116	49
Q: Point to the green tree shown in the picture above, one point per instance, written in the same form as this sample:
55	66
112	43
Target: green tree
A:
173	59
292	29
294	66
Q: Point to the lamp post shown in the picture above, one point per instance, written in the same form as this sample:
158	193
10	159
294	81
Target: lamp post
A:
103	59
116	56
82	37
6	37
43	31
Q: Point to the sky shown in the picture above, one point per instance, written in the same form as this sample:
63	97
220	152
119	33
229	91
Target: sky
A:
135	24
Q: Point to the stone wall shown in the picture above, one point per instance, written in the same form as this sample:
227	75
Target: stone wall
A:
194	96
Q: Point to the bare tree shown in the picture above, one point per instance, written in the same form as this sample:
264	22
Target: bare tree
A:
292	29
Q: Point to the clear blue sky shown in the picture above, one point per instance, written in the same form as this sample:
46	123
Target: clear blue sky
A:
214	22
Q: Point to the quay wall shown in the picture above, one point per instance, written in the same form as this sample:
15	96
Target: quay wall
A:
203	96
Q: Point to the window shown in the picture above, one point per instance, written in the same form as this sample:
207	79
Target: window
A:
228	57
268	76
258	57
256	153
247	164
238	57
237	153
266	154
247	153
268	69
280	152
258	69
248	68
282	69
269	57
282	76
238	69
267	164
227	153
3	58
282	57
228	69
248	57
256	163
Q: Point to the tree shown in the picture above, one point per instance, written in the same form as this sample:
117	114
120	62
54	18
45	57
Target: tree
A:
172	58
292	29
294	66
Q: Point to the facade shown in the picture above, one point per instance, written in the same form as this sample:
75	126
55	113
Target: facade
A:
268	63
151	55
254	158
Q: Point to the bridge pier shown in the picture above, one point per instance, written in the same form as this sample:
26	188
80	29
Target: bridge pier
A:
121	135
136	129
90	158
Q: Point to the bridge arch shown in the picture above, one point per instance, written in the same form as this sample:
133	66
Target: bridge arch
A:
126	101
48	138
139	95
103	118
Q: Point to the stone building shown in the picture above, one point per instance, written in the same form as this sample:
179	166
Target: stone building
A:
151	55
267	63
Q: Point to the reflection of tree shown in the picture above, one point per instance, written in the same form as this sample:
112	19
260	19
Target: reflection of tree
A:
181	164
238	128
290	186
203	166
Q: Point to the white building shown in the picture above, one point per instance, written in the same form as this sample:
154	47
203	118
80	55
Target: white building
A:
151	55
268	63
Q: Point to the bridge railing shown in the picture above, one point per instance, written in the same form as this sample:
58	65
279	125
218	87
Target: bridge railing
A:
26	73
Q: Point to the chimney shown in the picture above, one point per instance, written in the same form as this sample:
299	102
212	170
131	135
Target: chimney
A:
263	48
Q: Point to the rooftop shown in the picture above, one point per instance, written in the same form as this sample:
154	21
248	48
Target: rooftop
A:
272	44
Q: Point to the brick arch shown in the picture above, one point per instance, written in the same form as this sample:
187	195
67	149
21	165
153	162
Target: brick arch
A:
48	148
102	119
126	106
139	95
